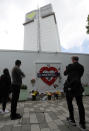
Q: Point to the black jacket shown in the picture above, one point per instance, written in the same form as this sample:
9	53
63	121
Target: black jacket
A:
5	85
74	72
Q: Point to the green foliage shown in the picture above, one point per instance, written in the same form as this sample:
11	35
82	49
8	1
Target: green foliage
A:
88	18
23	87
87	27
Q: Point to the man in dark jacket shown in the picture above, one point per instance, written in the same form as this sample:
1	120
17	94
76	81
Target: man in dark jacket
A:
17	76
73	88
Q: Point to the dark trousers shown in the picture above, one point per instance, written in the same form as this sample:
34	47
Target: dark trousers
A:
15	97
4	102
69	98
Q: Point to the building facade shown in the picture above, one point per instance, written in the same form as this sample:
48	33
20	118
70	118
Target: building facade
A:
40	30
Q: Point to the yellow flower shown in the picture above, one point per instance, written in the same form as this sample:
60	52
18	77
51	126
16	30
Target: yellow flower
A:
58	92
48	93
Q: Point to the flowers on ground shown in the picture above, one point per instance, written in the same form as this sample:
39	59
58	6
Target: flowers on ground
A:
58	92
35	93
49	93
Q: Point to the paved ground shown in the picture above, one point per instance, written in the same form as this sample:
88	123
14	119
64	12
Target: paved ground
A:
42	116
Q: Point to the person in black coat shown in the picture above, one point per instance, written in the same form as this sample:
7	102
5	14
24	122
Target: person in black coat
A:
73	88
5	85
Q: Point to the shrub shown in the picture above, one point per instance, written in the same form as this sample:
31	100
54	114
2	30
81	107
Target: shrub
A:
23	87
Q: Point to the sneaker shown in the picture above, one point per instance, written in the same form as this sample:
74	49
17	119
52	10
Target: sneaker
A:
1	111
6	111
71	121
82	127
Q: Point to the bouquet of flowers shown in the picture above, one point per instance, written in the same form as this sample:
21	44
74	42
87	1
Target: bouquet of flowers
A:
33	81
58	92
49	94
55	86
34	94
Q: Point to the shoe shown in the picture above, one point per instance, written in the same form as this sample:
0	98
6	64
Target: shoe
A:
71	121
15	117
3	112
0	110
82	127
6	111
18	115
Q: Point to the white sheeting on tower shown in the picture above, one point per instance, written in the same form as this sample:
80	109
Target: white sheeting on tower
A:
40	30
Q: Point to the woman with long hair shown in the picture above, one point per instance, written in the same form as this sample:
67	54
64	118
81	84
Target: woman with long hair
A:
5	85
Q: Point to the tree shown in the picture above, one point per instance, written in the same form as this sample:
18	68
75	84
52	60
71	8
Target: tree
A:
87	25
